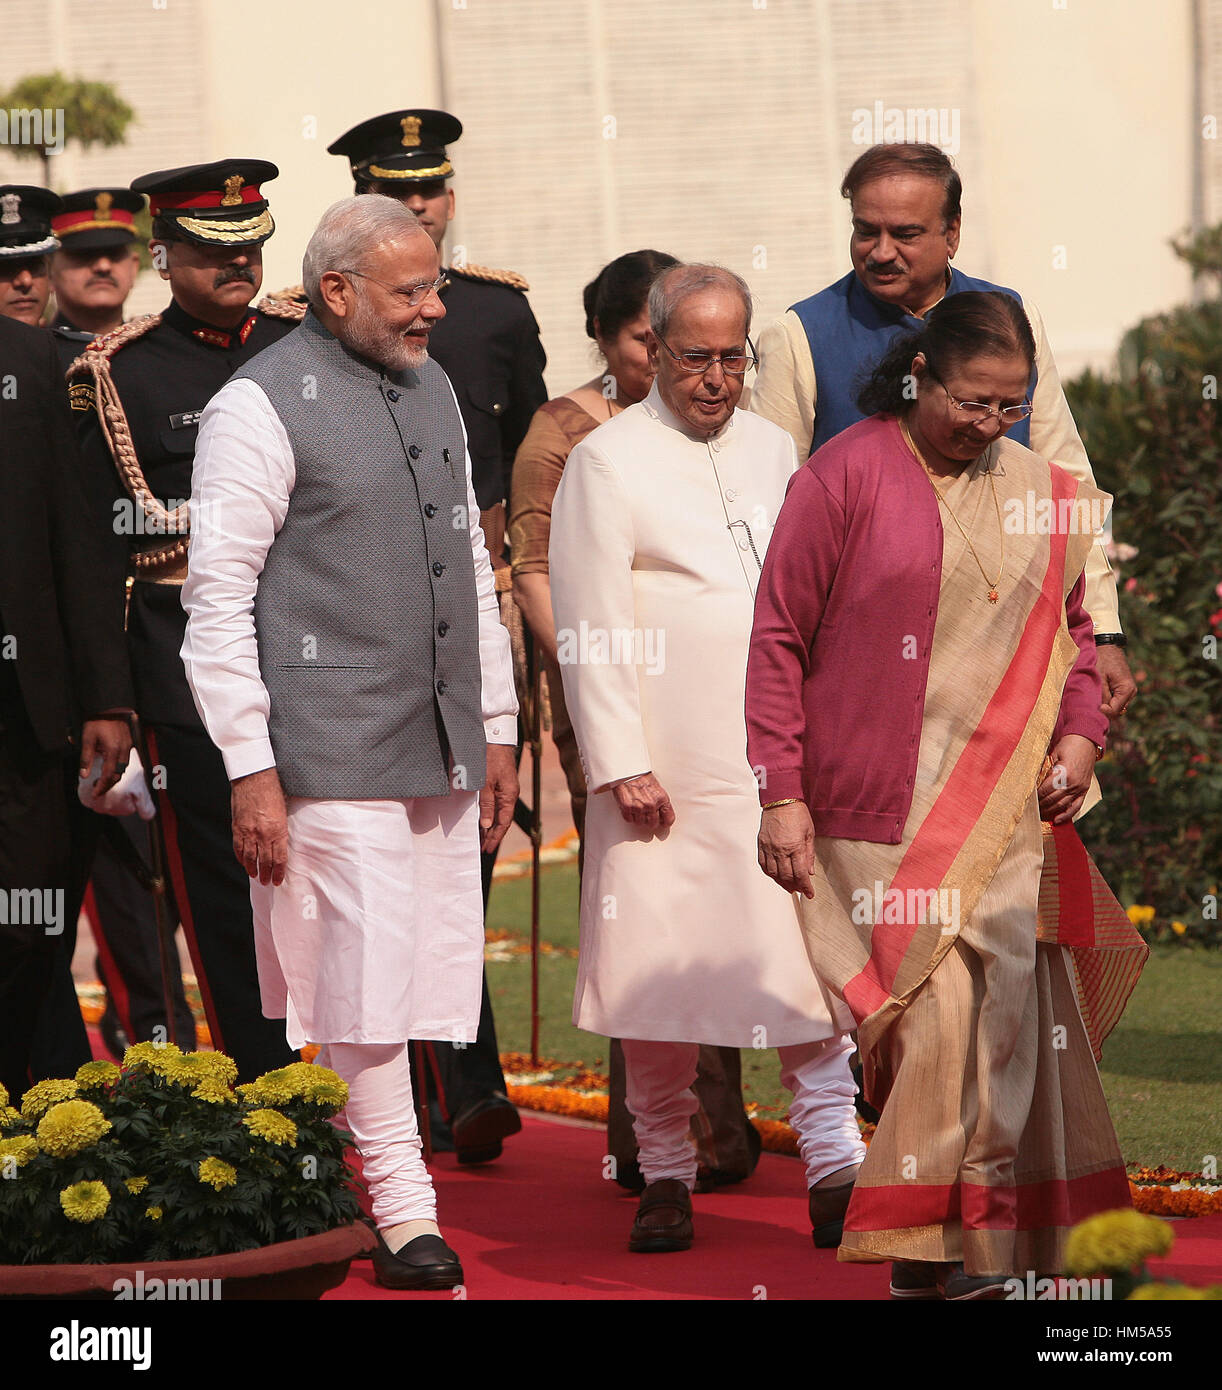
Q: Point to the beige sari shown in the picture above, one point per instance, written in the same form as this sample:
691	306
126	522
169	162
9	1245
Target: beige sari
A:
952	947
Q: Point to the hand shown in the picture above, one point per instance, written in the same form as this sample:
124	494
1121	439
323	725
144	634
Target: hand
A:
642	801
498	796
129	795
1119	687
1062	792
787	847
110	738
260	825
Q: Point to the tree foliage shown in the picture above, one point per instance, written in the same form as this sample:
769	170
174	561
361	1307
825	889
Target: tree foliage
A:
1152	430
94	113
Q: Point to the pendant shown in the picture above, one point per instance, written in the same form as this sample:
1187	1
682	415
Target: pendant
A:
992	595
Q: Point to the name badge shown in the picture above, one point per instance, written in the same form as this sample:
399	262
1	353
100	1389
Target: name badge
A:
185	420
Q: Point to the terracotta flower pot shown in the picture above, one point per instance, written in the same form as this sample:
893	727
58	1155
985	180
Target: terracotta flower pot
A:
296	1269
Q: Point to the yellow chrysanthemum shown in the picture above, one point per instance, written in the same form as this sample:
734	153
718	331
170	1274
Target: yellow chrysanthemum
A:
43	1095
22	1148
153	1213
222	1068
94	1075
272	1088
1181	1293
272	1126
84	1201
71	1126
151	1055
1115	1241
214	1092
217	1173
135	1185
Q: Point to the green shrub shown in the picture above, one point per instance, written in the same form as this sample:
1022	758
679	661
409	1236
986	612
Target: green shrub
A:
1152	431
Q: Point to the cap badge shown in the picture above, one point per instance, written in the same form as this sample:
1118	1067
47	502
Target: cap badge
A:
233	191
11	204
101	204
411	132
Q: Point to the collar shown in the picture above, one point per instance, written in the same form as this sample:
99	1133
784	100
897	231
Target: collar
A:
178	318
900	312
657	409
347	361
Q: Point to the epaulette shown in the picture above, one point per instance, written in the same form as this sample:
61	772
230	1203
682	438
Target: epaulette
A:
470	271
288	303
91	386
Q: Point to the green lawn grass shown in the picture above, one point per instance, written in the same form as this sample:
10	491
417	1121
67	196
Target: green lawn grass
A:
1162	1067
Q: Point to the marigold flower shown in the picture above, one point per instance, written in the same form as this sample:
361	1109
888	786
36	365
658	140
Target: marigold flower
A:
214	1092
93	1076
153	1213
1178	927
135	1185
21	1148
1139	914
217	1173
84	1201
271	1126
10	1118
1115	1240
71	1126
43	1095
146	1054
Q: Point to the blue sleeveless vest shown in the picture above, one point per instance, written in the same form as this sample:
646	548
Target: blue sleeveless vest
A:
849	331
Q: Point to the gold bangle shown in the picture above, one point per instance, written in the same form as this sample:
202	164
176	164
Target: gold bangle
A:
787	801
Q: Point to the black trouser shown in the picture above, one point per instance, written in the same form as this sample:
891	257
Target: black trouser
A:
34	855
218	894
128	924
469	1073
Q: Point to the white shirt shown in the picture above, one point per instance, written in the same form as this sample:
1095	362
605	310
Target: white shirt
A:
242	479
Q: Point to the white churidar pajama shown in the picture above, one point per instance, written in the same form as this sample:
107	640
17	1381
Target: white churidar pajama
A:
376	935
659	1096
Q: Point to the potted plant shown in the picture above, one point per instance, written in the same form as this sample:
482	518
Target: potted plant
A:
135	1181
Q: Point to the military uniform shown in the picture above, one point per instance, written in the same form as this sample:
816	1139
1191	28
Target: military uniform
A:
163	369
97	220
488	345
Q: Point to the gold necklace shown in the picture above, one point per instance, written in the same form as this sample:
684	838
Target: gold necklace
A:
992	583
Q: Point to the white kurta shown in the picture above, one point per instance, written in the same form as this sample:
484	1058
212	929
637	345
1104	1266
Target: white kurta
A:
376	934
683	937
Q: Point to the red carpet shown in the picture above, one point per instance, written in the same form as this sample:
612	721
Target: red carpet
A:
543	1223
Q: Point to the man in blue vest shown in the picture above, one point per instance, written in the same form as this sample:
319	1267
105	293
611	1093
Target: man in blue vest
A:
906	218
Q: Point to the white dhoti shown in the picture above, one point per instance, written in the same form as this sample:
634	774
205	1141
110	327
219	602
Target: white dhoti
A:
376	934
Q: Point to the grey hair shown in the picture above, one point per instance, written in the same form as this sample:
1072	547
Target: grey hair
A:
347	232
674	284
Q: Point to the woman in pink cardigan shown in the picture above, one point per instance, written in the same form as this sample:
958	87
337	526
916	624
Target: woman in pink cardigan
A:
923	714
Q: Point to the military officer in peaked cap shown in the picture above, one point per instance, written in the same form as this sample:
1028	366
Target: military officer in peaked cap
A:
209	224
488	344
26	241
95	267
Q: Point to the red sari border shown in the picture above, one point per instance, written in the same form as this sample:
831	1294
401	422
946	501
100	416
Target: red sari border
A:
1025	1207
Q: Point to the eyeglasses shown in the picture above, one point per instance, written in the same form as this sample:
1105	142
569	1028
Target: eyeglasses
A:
732	363
410	294
977	411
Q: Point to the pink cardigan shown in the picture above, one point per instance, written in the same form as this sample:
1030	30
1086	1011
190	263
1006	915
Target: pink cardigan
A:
852	573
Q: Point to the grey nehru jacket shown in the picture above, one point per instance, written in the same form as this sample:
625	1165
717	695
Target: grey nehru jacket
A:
366	612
